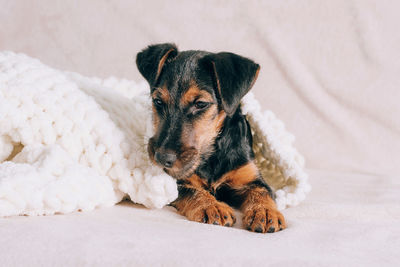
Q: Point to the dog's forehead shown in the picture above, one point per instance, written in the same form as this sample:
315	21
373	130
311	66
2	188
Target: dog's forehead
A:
183	75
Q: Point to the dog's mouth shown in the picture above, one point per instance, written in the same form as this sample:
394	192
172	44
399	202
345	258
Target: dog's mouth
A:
183	173
182	169
186	163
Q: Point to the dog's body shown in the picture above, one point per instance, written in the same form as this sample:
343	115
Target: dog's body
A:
203	140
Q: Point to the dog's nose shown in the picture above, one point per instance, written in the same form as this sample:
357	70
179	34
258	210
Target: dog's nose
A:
166	159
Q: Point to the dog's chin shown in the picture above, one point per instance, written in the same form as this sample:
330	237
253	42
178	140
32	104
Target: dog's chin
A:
184	172
179	170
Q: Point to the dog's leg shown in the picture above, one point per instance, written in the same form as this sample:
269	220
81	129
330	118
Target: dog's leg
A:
245	189
197	204
259	211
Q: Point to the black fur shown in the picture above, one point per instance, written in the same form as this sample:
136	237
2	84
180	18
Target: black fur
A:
234	76
233	148
147	61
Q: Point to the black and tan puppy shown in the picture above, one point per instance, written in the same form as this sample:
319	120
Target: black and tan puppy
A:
202	138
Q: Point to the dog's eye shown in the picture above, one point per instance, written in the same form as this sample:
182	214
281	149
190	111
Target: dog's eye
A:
158	102
200	104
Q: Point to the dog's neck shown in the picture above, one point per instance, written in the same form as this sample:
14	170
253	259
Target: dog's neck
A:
232	148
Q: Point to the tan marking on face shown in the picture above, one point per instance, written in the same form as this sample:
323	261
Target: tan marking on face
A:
197	139
201	133
208	126
194	93
162	93
239	177
156	119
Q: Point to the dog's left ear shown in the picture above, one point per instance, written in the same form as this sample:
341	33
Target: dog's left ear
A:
234	76
150	61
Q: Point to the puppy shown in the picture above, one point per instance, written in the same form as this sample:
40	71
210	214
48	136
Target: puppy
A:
202	138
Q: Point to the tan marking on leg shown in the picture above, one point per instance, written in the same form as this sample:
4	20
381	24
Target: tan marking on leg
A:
200	206
196	182
239	177
260	213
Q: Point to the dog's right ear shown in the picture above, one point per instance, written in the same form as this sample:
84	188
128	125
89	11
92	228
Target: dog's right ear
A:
234	76
150	61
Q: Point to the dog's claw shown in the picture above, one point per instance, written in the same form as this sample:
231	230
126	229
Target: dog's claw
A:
263	220
217	213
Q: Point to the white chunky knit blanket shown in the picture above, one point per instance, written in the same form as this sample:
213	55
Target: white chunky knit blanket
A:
70	143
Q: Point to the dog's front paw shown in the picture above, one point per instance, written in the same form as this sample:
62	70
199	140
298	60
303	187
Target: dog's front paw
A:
214	212
261	219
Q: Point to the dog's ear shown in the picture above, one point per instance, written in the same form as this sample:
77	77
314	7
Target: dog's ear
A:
234	76
150	61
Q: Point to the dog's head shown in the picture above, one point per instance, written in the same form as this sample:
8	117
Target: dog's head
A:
192	93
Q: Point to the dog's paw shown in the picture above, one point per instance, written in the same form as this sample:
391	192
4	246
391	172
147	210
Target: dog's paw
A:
216	212
261	220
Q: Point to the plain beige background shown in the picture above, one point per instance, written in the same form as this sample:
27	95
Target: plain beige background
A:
330	69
